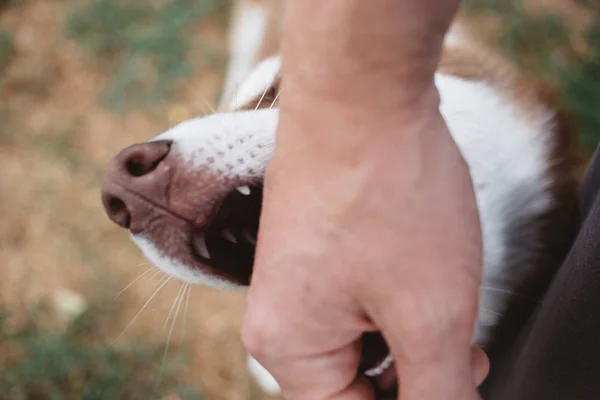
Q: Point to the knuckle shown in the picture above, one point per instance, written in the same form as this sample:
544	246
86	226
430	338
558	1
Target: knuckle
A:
258	333
431	323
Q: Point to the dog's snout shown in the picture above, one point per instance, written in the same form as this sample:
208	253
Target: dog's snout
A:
134	174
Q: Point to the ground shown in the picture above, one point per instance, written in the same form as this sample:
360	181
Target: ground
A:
55	140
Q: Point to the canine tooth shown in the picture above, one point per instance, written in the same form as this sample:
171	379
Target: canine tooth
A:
245	190
382	366
229	236
201	247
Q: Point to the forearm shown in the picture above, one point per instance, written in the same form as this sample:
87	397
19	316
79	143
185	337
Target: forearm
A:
353	231
358	87
380	53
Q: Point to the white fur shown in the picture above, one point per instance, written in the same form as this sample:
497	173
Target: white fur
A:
507	155
258	80
456	36
174	268
250	134
245	41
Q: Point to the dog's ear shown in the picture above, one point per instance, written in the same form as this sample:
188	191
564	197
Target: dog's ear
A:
267	99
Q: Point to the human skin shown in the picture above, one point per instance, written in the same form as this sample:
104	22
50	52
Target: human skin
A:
369	218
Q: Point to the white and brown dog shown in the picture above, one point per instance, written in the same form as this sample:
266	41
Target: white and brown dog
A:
191	197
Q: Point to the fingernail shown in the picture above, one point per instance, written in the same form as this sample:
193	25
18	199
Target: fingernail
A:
481	366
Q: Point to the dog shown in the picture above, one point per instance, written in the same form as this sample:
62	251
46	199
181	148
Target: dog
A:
191	197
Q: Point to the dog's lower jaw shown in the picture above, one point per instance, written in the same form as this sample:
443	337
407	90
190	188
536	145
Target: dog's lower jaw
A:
182	272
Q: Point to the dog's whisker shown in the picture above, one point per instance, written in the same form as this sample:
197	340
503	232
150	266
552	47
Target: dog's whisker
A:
179	293
493	312
506	291
237	77
260	101
133	282
159	272
185	309
207	104
262	97
166	111
168	278
200	110
144	263
264	93
184	285
275	99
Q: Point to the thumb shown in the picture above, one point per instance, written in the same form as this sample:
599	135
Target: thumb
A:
309	361
324	376
481	365
453	372
360	389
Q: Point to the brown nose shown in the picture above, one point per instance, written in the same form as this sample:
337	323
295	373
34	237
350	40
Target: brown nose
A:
131	175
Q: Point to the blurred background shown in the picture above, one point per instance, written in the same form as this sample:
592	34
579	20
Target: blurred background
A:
82	79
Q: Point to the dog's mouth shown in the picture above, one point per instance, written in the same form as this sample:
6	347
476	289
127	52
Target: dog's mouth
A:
226	240
202	228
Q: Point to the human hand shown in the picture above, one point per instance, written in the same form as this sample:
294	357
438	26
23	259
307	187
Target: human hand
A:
378	239
369	223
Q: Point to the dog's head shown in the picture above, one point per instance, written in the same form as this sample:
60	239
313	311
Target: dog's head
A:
191	197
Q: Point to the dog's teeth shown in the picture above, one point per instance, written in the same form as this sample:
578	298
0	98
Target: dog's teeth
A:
201	247
382	366
229	236
248	237
245	190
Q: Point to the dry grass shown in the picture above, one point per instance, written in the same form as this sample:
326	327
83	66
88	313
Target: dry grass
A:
55	140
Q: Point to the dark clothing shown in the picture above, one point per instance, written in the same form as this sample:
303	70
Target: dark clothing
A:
557	355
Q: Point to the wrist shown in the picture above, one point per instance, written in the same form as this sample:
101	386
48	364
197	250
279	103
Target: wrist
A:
326	127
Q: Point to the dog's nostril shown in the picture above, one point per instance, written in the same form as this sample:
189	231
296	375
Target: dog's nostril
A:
143	159
117	211
137	167
124	183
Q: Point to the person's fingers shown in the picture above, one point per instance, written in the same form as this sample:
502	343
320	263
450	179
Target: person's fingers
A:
308	360
481	365
448	375
329	376
430	341
360	389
